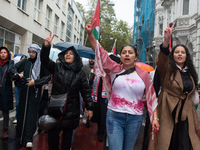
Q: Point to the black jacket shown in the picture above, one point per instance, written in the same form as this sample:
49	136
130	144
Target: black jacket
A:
6	96
70	78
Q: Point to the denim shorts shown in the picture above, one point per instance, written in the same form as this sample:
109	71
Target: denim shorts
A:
122	130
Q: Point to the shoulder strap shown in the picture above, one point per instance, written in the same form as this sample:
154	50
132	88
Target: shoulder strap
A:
3	75
123	73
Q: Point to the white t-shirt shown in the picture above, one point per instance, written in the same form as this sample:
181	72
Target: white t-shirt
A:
127	93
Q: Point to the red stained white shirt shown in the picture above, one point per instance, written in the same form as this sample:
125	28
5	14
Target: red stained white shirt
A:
127	93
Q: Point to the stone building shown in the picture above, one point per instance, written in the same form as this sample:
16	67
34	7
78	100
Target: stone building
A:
23	22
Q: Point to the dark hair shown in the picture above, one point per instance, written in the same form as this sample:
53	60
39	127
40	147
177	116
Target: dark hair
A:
132	48
188	63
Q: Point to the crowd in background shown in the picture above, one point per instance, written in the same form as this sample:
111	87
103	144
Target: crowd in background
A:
105	92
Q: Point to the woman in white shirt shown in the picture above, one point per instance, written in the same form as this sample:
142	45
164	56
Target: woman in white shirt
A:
126	84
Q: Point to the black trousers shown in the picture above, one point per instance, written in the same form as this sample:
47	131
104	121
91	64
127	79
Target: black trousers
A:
53	138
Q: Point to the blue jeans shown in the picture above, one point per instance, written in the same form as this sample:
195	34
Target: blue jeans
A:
17	96
122	130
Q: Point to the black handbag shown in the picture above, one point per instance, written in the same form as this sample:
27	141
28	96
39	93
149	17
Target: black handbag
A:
56	108
57	104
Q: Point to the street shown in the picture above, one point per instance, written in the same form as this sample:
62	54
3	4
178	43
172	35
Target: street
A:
84	139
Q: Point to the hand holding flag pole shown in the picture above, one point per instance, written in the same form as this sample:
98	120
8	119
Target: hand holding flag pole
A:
92	39
89	27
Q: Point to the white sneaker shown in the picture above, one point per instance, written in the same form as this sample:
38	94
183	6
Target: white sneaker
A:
81	116
15	121
29	144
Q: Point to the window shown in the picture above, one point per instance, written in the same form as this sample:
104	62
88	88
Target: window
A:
57	2
78	28
11	39
69	24
161	29
64	6
185	7
37	9
81	35
22	4
48	17
55	24
75	22
61	29
74	38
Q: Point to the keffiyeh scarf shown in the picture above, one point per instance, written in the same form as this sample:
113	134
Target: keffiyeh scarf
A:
103	63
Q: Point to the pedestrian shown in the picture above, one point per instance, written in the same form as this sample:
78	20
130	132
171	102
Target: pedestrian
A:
6	91
99	98
125	85
89	74
17	90
179	126
29	100
68	76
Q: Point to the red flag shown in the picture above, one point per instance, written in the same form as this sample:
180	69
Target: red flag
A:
96	26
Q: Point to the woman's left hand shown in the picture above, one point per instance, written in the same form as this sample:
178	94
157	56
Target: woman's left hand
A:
90	114
155	125
30	82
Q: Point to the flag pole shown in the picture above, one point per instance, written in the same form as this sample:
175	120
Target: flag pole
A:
86	39
113	45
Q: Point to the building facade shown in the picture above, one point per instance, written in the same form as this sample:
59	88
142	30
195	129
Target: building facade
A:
143	32
184	13
23	22
198	40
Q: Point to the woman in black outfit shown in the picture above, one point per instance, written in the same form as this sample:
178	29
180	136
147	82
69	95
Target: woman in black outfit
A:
6	92
68	75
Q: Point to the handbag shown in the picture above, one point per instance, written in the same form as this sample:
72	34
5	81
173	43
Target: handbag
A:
57	104
56	108
195	97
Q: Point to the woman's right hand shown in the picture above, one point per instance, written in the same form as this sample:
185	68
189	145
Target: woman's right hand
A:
47	41
168	34
89	27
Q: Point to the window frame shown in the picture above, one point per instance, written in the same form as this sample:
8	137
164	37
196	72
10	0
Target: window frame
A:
37	10
48	17
56	21
20	4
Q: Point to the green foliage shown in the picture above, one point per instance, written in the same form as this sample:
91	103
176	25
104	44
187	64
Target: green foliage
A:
110	27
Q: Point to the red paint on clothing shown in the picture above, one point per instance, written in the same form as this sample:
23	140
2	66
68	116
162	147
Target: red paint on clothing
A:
116	101
132	80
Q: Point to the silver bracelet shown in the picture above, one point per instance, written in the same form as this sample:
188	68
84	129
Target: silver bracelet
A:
155	119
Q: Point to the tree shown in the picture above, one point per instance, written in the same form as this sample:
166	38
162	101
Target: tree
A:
109	26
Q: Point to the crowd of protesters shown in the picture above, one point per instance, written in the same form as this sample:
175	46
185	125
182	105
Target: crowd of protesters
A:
110	93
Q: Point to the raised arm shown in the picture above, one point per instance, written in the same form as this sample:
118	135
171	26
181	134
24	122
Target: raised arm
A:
44	54
92	39
163	56
167	34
